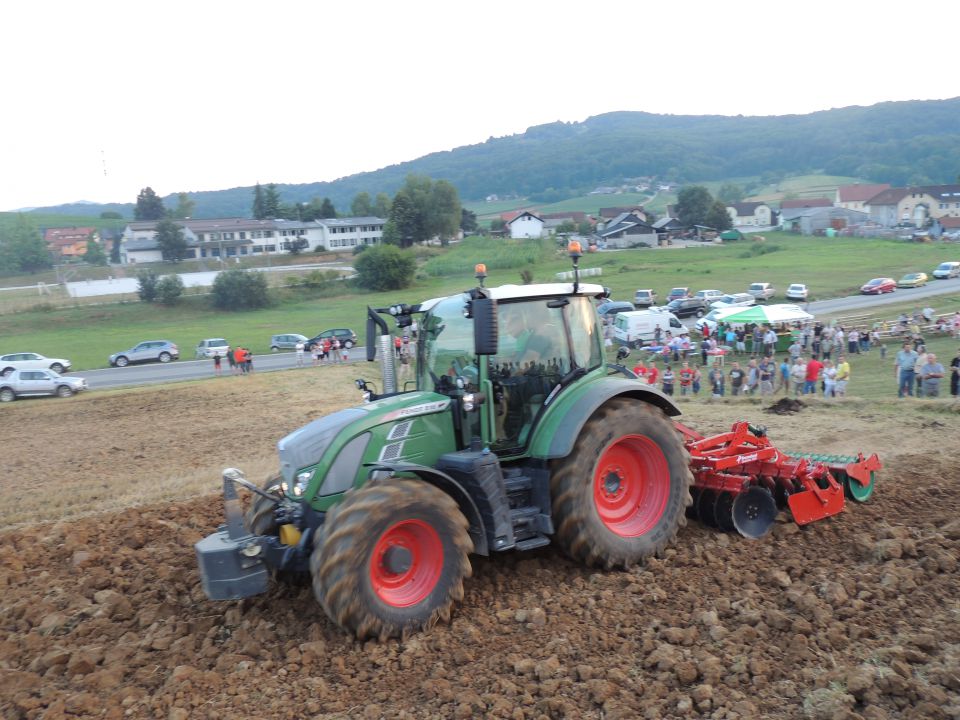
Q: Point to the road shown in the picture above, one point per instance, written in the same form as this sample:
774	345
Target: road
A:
178	371
155	373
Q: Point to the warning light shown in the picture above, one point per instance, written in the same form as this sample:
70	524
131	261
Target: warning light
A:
480	269
574	248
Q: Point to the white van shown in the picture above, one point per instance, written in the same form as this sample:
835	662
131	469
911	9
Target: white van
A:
638	327
947	270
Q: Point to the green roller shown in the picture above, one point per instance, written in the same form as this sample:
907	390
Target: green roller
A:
855	491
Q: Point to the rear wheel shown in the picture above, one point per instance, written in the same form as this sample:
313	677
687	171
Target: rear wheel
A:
57	368
164	357
274	348
259	518
64	391
620	496
391	559
348	344
122	361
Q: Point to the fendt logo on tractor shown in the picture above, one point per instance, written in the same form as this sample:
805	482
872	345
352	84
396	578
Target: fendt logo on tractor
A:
514	433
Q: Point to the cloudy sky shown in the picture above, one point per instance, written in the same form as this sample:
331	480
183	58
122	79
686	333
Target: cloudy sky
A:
105	98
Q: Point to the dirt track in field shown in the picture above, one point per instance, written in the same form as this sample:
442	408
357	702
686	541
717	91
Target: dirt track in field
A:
102	615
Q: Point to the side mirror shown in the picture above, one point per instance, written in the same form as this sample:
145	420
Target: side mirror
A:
623	353
486	333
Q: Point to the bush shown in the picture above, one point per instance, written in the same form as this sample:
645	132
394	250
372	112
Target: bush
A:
385	267
169	289
240	290
147	289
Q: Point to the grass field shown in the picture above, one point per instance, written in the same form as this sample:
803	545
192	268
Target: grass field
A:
831	267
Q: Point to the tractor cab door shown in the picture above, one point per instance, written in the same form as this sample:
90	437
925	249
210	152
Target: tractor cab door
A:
541	342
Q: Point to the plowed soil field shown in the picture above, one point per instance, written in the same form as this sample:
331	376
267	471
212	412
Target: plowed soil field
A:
102	614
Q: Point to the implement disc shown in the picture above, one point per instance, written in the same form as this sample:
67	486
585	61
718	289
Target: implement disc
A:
723	512
705	505
754	512
854	490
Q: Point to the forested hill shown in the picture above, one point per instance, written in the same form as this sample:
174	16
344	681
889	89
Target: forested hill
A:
902	143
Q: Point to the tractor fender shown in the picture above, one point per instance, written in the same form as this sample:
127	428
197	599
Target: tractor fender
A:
561	424
452	488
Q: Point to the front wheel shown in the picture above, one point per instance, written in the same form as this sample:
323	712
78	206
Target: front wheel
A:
165	357
619	497
57	368
274	348
122	361
391	559
7	395
64	391
260	517
348	344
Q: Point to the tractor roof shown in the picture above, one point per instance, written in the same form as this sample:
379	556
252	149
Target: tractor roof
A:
519	292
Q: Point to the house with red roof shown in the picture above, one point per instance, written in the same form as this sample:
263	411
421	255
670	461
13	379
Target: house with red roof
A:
70	242
855	197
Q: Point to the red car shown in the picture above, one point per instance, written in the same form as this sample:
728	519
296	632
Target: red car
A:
878	286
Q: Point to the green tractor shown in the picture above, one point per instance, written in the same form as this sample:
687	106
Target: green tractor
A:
514	433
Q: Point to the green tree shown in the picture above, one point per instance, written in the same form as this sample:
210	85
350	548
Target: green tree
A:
149	206
258	210
298	245
567	226
22	248
381	205
95	254
147	285
718	218
271	202
693	204
585	228
406	221
361	205
391	234
172	242
730	193
327	210
111	215
384	267
240	290
442	212
468	220
169	289
115	250
185	207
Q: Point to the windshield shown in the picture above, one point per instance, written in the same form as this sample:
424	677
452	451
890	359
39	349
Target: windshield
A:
875	281
446	347
944	266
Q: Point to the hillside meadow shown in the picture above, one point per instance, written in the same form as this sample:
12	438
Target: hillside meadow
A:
831	267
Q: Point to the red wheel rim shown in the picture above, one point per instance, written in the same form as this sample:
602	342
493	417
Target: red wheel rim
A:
631	485
406	564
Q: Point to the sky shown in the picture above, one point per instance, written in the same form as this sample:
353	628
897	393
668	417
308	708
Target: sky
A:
105	98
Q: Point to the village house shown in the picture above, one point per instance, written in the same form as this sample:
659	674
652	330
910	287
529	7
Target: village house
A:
70	242
917	206
526	225
241	237
809	221
750	214
628	230
799	203
855	197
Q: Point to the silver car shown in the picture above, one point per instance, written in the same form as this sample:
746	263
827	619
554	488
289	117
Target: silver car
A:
286	341
31	361
32	383
148	351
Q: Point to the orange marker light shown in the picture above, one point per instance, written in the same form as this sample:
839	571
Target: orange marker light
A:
574	248
480	269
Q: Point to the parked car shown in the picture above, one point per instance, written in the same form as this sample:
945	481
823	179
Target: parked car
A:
31	361
914	279
608	310
32	383
286	342
148	351
644	298
688	307
734	300
347	338
878	286
677	293
709	295
761	291
797	291
212	346
946	270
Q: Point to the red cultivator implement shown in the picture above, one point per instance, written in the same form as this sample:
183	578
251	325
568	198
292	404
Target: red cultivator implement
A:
741	480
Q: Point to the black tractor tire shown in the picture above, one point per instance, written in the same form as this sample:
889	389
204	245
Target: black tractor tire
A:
391	558
620	496
258	520
121	361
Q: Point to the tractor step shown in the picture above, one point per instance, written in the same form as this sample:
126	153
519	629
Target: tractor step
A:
532	543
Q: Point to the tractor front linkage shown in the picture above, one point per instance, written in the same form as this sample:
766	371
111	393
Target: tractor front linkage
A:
741	481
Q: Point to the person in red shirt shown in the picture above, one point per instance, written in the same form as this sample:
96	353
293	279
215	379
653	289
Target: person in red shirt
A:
640	370
686	378
652	375
814	367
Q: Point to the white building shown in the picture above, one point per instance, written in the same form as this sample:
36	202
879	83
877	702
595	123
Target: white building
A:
526	225
244	237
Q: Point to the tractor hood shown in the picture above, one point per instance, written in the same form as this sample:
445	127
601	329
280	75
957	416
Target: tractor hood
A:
308	444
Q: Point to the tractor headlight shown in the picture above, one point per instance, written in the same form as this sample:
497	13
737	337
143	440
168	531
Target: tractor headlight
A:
303	479
471	401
